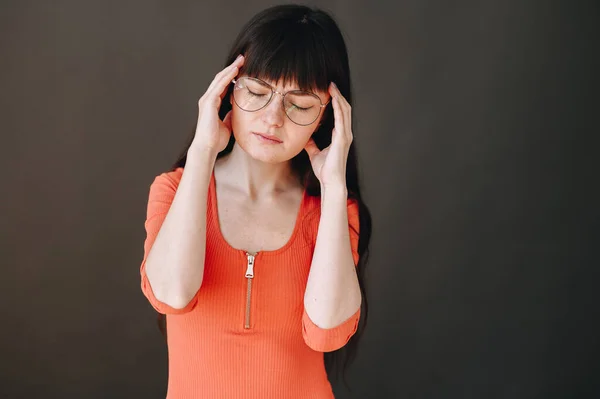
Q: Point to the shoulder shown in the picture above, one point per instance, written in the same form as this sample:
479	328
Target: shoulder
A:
167	180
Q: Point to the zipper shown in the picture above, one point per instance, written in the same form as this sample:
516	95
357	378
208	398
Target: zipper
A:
249	276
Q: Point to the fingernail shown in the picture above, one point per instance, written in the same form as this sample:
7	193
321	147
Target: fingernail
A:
238	57
334	85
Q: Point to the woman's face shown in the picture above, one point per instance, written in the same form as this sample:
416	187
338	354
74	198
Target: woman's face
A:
272	120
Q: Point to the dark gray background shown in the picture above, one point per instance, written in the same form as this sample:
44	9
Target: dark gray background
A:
470	121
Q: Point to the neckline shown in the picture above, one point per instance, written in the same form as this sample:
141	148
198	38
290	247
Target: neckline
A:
212	191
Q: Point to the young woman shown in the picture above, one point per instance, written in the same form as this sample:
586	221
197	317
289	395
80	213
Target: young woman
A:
253	252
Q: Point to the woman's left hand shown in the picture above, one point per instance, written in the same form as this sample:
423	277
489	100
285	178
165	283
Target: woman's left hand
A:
329	164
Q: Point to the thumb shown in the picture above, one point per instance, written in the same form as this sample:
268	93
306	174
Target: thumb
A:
227	120
311	148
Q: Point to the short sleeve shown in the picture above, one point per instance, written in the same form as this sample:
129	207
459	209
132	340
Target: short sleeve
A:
328	339
162	192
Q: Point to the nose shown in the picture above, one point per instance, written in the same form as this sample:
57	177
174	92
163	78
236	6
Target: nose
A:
273	114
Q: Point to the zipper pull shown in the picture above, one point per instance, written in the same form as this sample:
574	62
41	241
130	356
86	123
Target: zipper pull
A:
250	269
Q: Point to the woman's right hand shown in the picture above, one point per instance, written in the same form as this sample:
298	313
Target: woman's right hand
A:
212	134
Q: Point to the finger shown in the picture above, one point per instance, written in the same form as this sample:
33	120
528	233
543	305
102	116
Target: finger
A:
222	85
219	77
344	109
335	91
311	148
223	78
343	103
237	63
238	60
339	120
224	91
337	99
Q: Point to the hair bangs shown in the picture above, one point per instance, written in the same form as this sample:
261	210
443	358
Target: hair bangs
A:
292	55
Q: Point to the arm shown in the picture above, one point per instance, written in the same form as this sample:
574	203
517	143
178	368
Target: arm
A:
175	246
332	298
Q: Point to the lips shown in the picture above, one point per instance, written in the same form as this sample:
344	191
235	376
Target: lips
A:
270	137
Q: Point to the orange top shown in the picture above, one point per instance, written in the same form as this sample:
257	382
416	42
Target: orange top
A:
245	334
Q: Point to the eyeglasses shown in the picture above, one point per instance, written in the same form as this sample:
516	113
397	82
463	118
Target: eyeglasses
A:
253	94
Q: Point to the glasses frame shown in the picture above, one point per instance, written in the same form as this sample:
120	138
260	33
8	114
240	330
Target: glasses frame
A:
273	91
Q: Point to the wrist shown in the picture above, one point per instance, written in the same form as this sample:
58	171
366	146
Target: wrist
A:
201	155
203	152
334	190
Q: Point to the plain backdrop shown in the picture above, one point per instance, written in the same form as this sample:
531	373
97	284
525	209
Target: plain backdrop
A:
469	123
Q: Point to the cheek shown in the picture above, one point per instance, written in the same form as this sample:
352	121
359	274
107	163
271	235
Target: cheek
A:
301	137
238	122
297	139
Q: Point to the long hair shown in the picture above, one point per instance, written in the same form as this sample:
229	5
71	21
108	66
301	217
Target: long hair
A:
303	45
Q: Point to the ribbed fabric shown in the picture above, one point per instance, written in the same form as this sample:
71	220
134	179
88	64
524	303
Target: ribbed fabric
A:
211	353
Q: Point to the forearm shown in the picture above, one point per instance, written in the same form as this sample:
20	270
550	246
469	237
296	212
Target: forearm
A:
175	263
332	293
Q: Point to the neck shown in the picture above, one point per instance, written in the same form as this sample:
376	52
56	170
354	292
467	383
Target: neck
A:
254	178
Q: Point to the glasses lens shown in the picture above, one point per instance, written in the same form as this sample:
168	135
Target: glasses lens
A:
252	94
303	108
